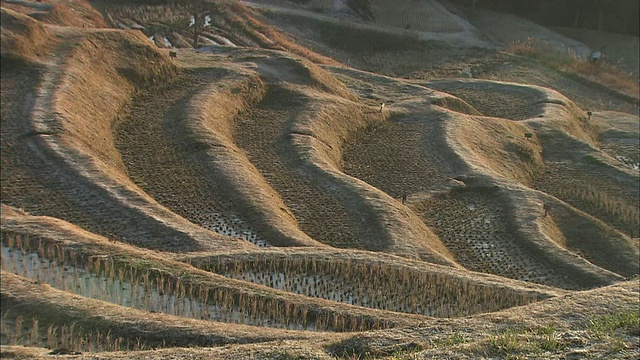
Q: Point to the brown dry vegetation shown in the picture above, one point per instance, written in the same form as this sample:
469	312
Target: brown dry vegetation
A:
23	38
73	13
603	73
260	201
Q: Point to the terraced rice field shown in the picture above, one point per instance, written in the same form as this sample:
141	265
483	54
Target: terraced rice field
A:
385	287
482	238
262	133
430	17
399	157
244	196
153	155
507	102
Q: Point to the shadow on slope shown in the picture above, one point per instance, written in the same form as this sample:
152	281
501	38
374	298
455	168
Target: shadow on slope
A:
62	160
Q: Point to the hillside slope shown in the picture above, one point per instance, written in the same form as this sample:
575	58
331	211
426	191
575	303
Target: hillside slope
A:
265	196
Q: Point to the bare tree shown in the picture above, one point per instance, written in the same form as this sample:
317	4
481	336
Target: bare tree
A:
199	11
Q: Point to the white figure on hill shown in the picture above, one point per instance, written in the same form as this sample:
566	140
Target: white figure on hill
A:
382	107
596	56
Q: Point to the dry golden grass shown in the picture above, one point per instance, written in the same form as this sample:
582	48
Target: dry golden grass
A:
86	88
455	104
211	116
618	49
603	73
250	24
65	245
94	66
628	214
589	237
554	113
499	146
23	38
326	124
318	136
77	135
79	323
318	133
98	322
282	67
373	281
76	13
564	318
23	352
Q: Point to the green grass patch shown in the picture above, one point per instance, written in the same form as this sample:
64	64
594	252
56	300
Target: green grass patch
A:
614	329
509	342
547	339
515	342
451	340
627	322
